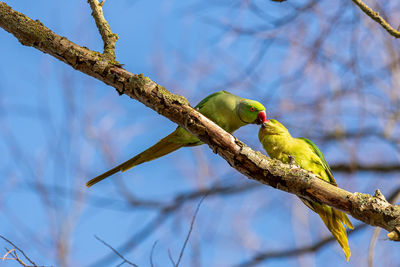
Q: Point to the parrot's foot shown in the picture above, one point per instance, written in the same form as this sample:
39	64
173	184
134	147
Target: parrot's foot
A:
292	160
237	141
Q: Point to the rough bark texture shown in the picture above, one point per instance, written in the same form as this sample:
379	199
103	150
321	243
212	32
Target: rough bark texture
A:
373	210
109	38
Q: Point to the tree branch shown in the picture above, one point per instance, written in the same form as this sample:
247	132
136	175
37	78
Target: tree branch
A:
20	250
109	38
356	167
115	251
374	210
375	16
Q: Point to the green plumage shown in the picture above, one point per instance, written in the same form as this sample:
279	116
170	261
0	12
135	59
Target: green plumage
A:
227	110
280	145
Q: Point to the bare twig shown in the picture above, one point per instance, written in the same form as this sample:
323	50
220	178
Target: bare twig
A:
109	38
151	254
190	231
5	255
13	252
170	258
138	237
17	248
115	251
375	16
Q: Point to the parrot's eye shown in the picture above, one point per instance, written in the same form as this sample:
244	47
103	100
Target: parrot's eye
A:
252	109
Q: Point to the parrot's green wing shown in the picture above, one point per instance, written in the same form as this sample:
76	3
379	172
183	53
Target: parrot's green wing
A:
278	142
205	100
321	156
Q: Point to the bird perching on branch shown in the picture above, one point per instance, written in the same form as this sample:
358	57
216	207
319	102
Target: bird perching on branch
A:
227	110
280	145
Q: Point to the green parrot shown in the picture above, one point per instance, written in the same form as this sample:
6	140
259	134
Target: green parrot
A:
227	110
280	145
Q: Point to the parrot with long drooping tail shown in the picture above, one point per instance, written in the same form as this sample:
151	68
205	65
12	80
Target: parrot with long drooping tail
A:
227	110
280	145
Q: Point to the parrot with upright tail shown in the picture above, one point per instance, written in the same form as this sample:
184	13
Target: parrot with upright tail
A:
227	110
280	145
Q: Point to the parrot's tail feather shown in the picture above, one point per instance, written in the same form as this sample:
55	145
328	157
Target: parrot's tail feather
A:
161	148
333	220
343	218
103	176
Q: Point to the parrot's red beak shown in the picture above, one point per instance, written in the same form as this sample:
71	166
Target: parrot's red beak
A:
261	117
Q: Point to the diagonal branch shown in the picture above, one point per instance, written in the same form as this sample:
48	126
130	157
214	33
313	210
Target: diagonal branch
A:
115	251
109	38
374	210
375	16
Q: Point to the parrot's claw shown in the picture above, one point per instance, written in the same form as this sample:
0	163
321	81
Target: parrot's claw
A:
292	160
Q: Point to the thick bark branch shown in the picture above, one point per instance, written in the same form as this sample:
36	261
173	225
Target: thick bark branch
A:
374	210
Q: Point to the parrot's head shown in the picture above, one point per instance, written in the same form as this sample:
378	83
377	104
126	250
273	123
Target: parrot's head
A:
272	127
250	111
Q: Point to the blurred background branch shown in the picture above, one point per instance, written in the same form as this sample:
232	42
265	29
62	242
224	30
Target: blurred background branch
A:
295	252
